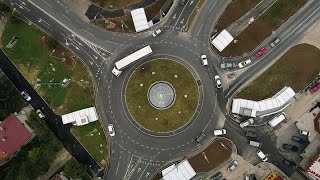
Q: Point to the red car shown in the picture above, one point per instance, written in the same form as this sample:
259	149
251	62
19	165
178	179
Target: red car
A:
261	52
315	88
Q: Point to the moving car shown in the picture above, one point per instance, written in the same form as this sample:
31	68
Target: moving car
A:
275	42
315	88
204	60
25	95
200	137
261	52
156	32
233	165
246	123
288	162
40	114
216	176
304	133
251	134
218	132
244	63
111	130
227	65
217	81
298	139
290	147
262	156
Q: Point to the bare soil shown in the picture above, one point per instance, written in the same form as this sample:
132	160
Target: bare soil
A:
260	29
117	4
212	156
294	69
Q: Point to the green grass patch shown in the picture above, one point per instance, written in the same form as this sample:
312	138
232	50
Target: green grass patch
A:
92	137
167	119
74	170
294	69
32	56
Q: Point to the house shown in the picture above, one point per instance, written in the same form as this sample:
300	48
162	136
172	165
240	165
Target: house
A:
13	135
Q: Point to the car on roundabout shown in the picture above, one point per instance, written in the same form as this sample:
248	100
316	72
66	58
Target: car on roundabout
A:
156	32
200	137
204	60
111	130
219	132
217	81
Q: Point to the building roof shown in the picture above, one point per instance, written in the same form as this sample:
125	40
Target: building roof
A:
181	171
139	19
314	169
13	135
81	117
222	40
264	107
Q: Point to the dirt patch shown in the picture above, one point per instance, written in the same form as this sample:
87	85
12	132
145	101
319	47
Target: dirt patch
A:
294	69
214	155
116	4
312	35
273	18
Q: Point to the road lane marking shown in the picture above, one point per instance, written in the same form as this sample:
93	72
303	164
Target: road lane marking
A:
87	32
213	6
199	29
66	17
46	3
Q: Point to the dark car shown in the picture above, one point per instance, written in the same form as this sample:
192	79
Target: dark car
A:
227	65
290	147
298	139
200	137
251	134
182	2
216	176
288	162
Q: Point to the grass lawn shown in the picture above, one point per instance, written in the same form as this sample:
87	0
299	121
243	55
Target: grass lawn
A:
167	119
195	12
262	27
117	4
32	57
93	138
73	169
217	153
294	69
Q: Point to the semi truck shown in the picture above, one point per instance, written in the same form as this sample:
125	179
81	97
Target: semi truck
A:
130	59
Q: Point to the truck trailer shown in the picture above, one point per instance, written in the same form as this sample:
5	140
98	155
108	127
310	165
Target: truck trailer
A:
130	59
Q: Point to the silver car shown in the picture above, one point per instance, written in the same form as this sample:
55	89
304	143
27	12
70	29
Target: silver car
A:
25	95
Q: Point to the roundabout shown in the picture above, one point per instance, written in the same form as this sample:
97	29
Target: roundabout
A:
162	95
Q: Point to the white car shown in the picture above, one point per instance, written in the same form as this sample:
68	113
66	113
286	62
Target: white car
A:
218	132
111	130
304	133
246	123
218	81
25	95
40	114
244	63
156	32
262	156
204	60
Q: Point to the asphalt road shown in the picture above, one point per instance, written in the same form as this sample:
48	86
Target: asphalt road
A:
137	155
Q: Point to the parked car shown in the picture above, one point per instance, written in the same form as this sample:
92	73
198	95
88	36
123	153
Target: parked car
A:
288	162
156	32
261	52
304	133
227	65
251	134
182	2
25	95
218	132
217	81
200	137
275	42
216	176
244	63
315	88
204	60
262	156
111	130
246	123
290	147
298	139
233	165
40	114
255	144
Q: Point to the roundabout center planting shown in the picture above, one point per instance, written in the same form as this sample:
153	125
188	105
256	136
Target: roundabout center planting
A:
162	95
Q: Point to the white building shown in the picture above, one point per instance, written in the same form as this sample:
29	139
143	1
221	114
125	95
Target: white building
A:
222	40
81	117
139	19
181	171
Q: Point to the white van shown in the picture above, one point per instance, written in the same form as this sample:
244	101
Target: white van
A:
255	144
277	119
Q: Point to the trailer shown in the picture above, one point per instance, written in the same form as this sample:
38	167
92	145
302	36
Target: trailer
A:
130	59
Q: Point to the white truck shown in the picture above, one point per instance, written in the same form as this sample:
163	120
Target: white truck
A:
126	61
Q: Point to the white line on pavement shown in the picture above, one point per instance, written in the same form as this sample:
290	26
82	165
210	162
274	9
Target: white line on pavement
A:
46	3
213	6
88	32
199	29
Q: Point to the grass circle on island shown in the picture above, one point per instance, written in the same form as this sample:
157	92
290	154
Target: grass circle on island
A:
186	92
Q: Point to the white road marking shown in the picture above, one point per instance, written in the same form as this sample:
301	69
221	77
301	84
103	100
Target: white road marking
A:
199	29
66	17
117	167
213	6
88	32
46	3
